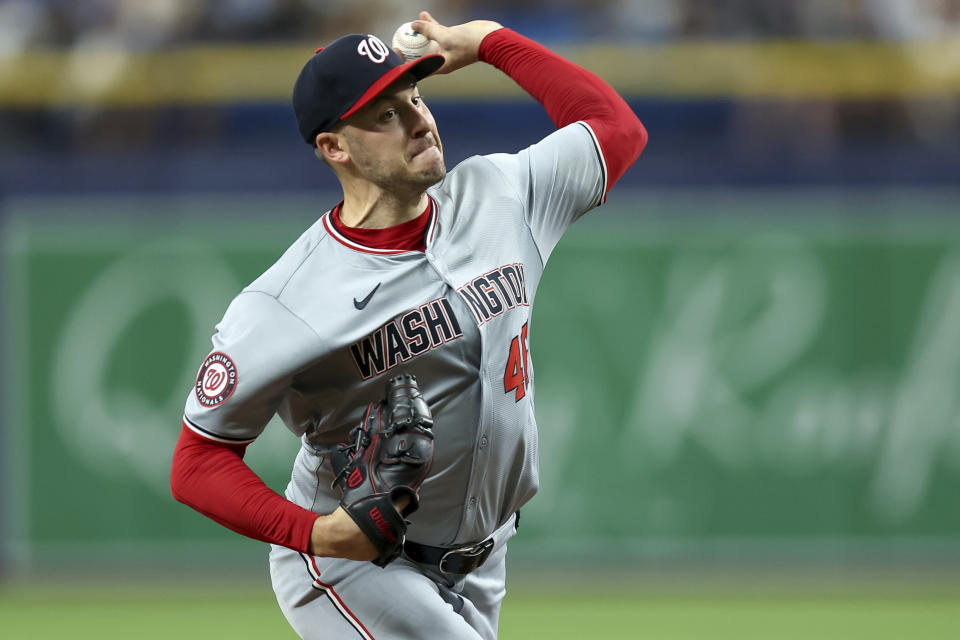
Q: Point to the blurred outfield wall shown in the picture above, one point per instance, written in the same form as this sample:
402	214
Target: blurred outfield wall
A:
218	118
721	386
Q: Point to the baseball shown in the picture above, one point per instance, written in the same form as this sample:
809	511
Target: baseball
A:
411	44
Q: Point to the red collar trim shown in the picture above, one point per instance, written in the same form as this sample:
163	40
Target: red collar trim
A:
432	225
331	224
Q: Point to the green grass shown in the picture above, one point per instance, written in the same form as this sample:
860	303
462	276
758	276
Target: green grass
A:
249	611
693	617
82	612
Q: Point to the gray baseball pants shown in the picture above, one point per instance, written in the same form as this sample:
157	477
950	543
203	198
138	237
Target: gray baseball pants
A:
337	599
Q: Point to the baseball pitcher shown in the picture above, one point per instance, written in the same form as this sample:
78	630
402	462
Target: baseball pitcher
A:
393	338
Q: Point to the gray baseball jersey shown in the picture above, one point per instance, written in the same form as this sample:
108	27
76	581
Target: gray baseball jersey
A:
315	338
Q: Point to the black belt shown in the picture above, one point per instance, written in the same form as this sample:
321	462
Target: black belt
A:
450	560
456	560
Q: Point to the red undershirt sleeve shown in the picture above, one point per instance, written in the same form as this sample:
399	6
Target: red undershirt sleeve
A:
212	478
570	94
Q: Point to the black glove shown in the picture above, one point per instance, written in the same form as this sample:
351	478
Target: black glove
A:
388	457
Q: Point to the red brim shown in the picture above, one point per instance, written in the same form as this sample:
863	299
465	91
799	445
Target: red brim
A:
419	68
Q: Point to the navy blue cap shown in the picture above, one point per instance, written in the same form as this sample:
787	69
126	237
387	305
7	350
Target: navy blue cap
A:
341	78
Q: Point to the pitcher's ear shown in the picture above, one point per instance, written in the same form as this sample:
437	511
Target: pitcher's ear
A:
331	148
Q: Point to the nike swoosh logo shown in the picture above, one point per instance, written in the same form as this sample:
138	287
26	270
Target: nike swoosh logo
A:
360	304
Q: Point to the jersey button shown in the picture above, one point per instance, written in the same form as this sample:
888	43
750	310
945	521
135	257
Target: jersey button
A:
483	442
473	502
429	255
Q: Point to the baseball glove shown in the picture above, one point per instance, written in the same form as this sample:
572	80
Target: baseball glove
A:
388	457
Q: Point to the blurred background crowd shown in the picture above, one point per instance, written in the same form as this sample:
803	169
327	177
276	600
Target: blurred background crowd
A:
788	91
165	23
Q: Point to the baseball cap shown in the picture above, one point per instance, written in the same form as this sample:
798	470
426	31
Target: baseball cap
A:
342	77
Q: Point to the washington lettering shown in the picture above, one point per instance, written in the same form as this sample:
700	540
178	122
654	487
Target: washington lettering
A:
496	291
406	336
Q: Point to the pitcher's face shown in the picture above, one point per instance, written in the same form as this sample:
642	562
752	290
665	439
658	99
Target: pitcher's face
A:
393	140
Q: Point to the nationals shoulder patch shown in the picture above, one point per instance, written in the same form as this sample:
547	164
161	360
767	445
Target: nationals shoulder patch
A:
217	379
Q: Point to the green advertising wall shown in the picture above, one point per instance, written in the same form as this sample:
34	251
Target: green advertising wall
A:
718	375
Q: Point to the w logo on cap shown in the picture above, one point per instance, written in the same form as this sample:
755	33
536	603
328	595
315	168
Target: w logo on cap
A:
374	48
344	76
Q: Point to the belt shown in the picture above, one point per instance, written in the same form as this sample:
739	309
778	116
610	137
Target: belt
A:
455	560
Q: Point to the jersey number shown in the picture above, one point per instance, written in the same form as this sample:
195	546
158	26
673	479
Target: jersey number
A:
516	375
